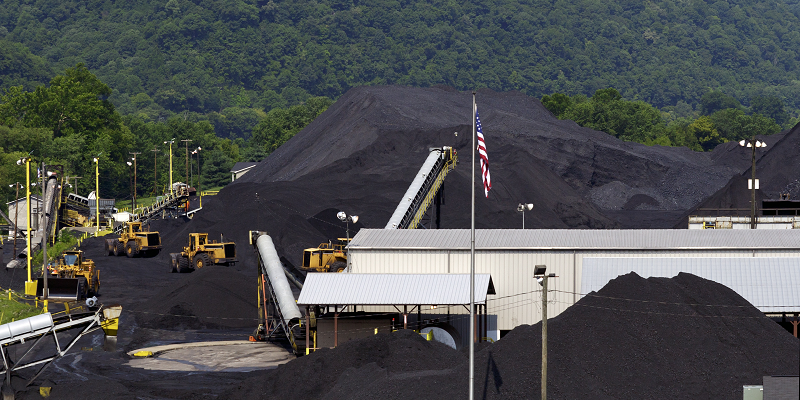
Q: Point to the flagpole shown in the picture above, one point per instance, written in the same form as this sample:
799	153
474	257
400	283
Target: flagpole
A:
472	269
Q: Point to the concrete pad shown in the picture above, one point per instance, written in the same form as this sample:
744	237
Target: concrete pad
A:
220	356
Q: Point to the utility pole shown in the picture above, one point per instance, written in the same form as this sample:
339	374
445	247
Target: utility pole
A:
170	142
155	170
753	184
541	277
186	141
16	213
134	178
75	188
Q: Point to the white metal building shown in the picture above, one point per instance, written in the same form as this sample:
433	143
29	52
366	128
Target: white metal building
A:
510	256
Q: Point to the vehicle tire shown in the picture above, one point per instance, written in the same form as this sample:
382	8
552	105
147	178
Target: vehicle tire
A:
183	264
83	288
173	262
110	247
337	266
131	249
201	260
95	289
119	248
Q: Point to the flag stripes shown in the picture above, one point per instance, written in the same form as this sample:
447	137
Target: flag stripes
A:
487	181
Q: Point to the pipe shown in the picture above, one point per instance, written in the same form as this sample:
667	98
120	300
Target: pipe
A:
277	277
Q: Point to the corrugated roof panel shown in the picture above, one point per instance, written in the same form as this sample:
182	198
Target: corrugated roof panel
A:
769	283
577	239
392	289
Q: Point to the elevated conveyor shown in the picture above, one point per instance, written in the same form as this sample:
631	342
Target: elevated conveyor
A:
35	329
48	218
170	201
423	189
273	283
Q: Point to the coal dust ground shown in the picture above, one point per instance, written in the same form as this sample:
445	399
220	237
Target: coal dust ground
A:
360	156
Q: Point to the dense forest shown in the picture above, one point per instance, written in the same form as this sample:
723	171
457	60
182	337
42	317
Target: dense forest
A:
239	77
233	60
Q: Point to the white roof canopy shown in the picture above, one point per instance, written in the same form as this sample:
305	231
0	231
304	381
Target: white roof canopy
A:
393	289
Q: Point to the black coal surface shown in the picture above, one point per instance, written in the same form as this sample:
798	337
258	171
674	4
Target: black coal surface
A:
362	153
338	373
658	338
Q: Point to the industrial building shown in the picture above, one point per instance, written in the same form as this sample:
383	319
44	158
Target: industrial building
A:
509	256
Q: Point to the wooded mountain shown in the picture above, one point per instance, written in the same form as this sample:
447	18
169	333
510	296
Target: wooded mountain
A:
231	59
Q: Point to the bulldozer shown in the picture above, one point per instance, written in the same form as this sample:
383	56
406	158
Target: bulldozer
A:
135	241
201	252
326	257
72	278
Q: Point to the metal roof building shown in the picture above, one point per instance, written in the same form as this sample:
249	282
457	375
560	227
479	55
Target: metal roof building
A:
510	256
770	284
393	289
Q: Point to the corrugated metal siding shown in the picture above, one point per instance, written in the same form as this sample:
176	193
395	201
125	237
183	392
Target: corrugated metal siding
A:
389	289
576	239
517	300
769	283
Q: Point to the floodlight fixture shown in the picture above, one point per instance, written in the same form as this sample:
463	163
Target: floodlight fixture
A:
342	216
539	270
129	163
353	218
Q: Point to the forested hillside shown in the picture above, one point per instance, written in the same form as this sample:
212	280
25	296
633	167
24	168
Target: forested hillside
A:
233	60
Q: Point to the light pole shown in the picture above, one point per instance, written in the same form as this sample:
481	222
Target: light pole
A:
96	161
521	208
134	153
75	188
753	183
197	151
170	142
155	170
541	277
30	285
347	219
186	141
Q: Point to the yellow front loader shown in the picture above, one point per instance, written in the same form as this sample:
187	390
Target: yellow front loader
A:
71	278
201	252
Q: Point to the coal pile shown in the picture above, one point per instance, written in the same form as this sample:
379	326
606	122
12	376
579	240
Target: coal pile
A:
776	170
340	372
657	338
209	298
363	152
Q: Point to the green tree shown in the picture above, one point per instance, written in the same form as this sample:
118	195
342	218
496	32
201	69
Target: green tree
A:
281	124
714	101
771	107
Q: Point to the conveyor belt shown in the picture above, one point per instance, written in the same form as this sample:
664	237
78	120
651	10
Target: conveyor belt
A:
423	189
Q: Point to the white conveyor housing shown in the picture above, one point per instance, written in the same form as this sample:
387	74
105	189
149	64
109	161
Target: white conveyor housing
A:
422	191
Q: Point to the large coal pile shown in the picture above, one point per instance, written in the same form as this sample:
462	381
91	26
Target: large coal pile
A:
659	338
363	152
338	373
776	170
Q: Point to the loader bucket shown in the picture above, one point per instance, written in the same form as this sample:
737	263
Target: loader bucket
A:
61	289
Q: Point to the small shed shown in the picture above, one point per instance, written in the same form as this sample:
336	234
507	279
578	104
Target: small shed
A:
18	209
363	304
241	168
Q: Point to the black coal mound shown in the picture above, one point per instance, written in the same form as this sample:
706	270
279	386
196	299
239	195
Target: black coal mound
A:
338	373
361	155
657	338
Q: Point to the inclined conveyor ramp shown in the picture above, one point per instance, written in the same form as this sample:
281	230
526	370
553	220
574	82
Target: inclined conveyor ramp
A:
274	285
171	200
47	221
423	189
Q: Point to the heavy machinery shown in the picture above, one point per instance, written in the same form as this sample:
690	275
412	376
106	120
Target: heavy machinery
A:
133	241
326	257
201	252
72	278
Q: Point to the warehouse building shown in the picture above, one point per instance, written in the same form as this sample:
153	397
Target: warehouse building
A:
510	256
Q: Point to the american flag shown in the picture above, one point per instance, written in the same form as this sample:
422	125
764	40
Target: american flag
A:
487	181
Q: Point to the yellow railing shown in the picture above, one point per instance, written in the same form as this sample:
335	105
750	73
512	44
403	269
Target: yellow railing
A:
209	193
432	192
